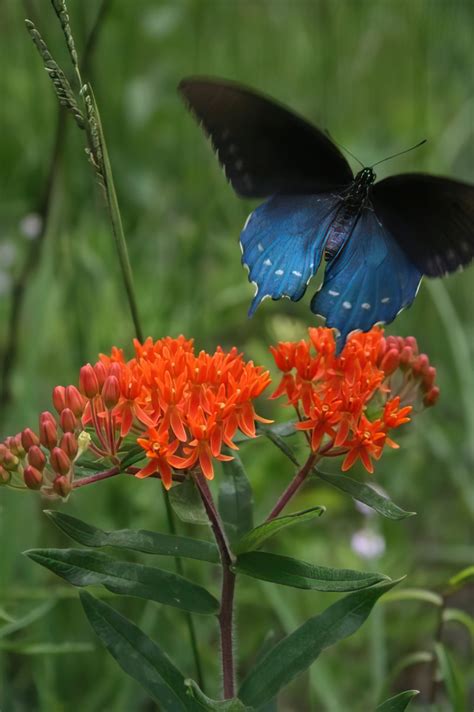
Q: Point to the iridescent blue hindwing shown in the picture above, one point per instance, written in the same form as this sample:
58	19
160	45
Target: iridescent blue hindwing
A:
283	243
370	280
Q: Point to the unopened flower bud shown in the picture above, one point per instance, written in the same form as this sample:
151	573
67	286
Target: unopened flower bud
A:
111	392
3	452
406	355
59	398
5	476
48	431
75	401
412	343
69	444
429	377
10	461
88	383
421	364
15	445
431	397
28	439
33	478
60	462
68	421
62	486
390	361
101	373
115	370
36	457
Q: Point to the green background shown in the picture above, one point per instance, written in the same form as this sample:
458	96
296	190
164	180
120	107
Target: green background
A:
381	75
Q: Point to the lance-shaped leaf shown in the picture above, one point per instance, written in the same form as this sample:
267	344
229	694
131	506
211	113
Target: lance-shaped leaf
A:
187	503
398	703
136	540
455	615
300	574
295	653
82	567
255	538
366	494
139	656
235	499
451	678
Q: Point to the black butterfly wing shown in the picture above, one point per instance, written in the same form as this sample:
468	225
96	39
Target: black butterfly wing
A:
432	219
263	147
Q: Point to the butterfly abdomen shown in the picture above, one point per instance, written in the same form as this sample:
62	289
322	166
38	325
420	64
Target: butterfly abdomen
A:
340	229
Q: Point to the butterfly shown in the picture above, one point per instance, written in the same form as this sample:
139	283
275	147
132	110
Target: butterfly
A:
377	239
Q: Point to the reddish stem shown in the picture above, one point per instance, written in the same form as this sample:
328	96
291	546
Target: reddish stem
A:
294	485
228	588
96	478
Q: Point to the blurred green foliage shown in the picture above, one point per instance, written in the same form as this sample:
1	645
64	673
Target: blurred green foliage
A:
380	74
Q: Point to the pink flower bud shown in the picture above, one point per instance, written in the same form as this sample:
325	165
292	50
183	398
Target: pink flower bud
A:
88	383
75	401
29	438
111	392
100	372
390	361
3	452
48	431
421	364
5	476
62	486
69	444
33	478
36	457
14	444
412	343
68	421
406	355
429	377
59	398
431	397
60	462
115	370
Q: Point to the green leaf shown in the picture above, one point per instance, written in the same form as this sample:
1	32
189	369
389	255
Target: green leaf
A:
187	503
454	615
366	494
451	678
139	656
459	579
27	620
235	499
136	540
82	567
255	538
399	702
133	455
209	705
283	430
299	574
295	653
277	439
47	648
415	594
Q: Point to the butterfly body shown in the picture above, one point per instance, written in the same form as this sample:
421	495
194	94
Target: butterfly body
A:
378	238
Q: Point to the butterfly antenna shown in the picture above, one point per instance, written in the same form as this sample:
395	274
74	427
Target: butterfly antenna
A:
343	148
400	153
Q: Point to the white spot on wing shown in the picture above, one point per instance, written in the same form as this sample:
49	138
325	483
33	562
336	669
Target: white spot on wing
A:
385	300
268	263
347	305
279	272
247	221
333	293
297	274
260	247
365	305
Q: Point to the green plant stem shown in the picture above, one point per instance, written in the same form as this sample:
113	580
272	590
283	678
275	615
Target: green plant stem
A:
294	485
226	612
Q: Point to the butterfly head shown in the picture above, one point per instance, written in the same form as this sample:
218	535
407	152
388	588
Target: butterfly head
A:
366	177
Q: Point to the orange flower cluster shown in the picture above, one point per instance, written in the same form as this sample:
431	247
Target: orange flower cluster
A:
180	407
347	404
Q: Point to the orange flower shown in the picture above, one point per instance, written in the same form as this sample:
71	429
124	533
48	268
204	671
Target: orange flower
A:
349	403
159	452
